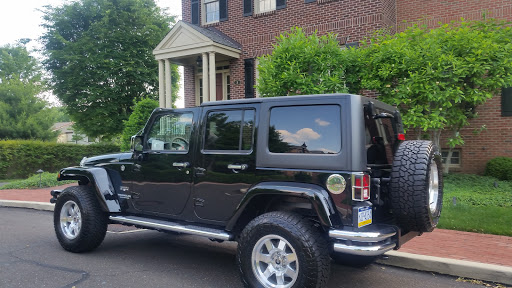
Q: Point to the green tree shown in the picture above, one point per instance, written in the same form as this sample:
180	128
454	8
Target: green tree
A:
141	112
22	114
438	76
301	64
99	53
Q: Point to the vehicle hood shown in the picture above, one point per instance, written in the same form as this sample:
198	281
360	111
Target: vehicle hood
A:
106	158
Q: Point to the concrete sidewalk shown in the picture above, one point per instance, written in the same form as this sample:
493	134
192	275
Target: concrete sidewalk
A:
470	255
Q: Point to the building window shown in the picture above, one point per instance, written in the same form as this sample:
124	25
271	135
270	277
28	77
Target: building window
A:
506	101
262	6
454	161
228	87
200	91
211	8
265	5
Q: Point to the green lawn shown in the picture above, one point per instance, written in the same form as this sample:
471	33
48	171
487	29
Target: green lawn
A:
480	205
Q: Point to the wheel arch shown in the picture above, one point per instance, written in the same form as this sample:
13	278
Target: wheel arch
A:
98	178
273	196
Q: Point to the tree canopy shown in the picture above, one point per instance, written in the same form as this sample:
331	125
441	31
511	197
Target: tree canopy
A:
301	64
99	53
438	76
22	114
141	112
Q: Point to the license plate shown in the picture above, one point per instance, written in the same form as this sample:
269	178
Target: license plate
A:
364	216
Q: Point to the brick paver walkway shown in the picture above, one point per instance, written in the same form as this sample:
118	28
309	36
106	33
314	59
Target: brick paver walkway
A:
458	245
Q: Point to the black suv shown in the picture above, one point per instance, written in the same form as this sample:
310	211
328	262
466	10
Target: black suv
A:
295	181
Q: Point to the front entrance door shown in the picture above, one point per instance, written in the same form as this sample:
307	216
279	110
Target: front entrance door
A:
219	87
164	180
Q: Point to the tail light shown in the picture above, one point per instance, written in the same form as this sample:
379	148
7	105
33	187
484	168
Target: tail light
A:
361	187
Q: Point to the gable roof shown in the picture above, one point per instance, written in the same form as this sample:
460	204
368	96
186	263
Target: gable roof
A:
186	39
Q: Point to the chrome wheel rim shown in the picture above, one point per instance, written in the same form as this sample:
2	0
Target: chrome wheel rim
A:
70	220
433	187
274	262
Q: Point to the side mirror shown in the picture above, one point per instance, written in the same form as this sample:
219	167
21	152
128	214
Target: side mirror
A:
136	143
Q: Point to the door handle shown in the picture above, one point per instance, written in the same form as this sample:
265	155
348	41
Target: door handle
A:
236	167
180	164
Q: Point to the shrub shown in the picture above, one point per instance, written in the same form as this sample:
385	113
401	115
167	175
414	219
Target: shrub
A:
499	167
47	180
22	158
141	112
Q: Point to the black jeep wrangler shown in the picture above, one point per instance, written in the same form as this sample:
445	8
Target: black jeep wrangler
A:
295	181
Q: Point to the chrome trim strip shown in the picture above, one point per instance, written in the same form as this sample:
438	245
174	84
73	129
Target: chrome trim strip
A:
363	250
371	236
170	226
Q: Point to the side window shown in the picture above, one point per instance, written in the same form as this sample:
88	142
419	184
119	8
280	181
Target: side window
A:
305	129
230	130
170	132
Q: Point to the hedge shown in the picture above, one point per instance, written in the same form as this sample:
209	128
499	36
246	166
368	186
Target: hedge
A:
22	158
499	167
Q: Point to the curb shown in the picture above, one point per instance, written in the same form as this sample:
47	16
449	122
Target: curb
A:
27	204
460	268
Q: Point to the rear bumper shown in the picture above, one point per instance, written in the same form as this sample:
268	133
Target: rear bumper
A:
374	240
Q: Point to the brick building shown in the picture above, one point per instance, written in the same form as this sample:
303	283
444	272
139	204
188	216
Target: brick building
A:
218	43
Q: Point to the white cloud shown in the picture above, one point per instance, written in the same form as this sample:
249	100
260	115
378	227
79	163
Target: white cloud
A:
304	135
322	122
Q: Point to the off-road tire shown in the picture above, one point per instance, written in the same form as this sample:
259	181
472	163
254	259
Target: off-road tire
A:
94	221
409	186
309	242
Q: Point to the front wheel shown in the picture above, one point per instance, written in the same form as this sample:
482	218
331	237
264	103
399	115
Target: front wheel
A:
284	250
79	222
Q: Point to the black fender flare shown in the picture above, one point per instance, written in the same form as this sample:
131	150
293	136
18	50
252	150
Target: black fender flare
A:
316	195
100	179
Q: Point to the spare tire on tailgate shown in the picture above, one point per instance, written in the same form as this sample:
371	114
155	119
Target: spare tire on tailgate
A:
416	186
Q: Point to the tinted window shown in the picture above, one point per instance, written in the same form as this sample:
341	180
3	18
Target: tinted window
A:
170	132
229	130
305	129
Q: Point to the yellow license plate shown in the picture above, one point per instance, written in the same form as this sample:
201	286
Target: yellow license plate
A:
364	216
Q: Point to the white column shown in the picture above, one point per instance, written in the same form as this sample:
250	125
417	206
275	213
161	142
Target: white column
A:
206	91
168	100
212	77
161	83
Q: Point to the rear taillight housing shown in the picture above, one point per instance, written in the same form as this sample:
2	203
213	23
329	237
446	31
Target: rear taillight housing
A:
360	187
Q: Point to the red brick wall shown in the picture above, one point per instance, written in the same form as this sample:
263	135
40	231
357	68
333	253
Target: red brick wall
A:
431	12
354	19
496	139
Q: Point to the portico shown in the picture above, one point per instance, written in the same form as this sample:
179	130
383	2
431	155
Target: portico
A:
203	48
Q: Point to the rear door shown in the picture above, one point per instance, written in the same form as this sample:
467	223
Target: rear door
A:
225	166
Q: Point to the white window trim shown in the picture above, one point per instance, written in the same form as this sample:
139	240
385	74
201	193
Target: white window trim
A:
257	10
203	12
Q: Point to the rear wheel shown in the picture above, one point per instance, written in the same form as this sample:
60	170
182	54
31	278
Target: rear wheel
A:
79	222
284	250
416	186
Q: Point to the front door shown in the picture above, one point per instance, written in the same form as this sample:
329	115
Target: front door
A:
219	87
225	166
164	179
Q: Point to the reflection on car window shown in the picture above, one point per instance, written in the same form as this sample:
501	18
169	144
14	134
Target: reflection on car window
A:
229	130
170	132
305	129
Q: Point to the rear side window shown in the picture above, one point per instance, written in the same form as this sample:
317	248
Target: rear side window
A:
314	129
230	130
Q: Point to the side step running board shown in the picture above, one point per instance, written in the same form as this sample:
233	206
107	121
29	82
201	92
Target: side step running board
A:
174	227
